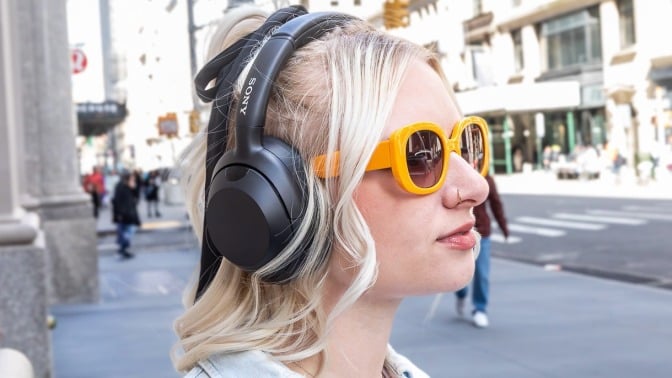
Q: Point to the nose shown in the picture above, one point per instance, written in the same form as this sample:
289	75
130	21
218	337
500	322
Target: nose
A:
464	186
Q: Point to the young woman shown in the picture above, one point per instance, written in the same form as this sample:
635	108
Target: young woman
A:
386	188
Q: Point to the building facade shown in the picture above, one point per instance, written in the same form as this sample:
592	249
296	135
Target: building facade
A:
551	73
608	49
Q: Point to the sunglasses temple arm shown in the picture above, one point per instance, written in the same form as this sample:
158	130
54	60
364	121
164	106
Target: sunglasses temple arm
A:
381	158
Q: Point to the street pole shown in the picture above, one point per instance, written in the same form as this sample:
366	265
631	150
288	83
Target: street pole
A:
539	132
105	30
192	50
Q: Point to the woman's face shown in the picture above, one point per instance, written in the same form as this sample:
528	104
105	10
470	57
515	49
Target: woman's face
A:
423	242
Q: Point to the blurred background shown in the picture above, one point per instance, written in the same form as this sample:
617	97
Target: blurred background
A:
577	94
568	75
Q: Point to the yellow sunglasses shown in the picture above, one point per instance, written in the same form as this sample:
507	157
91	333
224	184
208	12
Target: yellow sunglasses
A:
416	154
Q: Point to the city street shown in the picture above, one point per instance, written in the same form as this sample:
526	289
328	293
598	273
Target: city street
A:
577	97
544	324
611	237
545	321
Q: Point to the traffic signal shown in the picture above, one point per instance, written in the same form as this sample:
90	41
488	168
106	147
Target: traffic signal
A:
194	121
396	14
168	125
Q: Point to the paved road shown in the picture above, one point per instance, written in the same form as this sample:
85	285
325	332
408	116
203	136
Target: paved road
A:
543	324
621	238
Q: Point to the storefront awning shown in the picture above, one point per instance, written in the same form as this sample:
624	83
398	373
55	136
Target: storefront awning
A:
524	97
97	118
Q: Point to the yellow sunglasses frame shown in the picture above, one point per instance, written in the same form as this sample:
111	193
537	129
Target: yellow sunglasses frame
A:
391	153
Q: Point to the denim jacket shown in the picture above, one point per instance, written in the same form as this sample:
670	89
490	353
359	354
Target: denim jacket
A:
260	364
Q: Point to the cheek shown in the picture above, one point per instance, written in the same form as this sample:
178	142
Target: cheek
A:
409	259
388	210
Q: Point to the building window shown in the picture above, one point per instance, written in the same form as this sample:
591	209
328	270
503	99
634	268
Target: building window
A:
626	23
517	49
478	7
572	40
481	65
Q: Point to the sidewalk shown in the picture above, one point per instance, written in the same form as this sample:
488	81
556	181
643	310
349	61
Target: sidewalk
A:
545	183
172	217
543	323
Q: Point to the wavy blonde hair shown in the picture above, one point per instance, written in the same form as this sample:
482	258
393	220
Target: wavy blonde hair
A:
335	93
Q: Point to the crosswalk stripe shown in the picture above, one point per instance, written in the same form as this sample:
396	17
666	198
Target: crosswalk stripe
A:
663	208
559	223
615	220
499	238
655	216
550	232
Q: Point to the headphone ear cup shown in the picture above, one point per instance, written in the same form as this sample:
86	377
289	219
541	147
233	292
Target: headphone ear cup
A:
255	206
292	187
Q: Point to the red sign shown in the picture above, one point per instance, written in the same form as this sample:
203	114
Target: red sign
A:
78	60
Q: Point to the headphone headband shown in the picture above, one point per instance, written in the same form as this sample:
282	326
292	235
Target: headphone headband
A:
272	57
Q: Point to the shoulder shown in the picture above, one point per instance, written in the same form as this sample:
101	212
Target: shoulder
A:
243	364
403	365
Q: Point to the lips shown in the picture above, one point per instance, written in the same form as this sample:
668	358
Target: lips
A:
462	238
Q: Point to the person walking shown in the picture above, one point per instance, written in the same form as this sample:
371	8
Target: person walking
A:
481	280
125	213
94	184
152	185
139	184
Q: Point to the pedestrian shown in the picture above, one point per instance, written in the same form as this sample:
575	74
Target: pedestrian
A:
125	213
481	281
152	185
111	180
94	184
547	158
139	183
345	192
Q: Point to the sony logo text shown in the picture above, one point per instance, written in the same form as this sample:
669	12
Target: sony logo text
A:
246	95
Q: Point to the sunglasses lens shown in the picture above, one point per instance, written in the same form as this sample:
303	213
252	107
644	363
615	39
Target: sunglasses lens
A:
424	157
472	146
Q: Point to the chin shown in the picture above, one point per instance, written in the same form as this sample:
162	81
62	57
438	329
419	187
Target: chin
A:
434	284
458	276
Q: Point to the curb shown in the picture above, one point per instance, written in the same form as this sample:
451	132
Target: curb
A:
592	271
143	230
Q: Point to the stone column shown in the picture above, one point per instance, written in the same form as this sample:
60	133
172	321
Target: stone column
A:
51	164
23	293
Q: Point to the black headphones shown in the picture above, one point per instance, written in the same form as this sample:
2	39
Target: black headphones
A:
257	194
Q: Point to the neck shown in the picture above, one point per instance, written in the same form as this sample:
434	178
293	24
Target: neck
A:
358	342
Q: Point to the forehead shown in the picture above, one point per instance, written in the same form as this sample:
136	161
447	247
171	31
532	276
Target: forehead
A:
423	96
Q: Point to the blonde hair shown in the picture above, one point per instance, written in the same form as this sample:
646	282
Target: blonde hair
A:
335	93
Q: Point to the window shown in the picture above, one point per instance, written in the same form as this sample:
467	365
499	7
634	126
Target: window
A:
517	49
478	7
626	23
481	65
572	40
